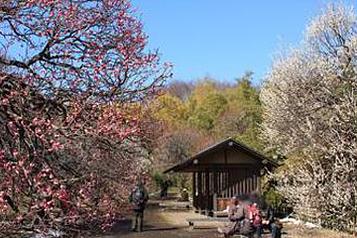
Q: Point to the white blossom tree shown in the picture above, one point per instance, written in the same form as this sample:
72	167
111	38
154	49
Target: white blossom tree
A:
310	116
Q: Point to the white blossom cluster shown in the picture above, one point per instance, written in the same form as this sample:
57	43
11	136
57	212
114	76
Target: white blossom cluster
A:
310	116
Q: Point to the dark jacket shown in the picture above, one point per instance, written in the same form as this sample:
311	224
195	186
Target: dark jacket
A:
139	205
270	215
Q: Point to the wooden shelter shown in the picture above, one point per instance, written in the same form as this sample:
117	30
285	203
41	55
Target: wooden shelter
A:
222	171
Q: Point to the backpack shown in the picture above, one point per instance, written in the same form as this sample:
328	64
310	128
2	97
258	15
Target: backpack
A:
254	215
138	196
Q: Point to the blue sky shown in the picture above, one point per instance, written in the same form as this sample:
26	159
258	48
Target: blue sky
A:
224	38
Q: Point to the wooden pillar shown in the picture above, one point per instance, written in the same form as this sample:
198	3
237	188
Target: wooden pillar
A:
223	184
219	175
215	205
249	179
207	193
199	192
225	157
227	184
244	180
215	190
194	185
255	181
230	183
215	182
258	182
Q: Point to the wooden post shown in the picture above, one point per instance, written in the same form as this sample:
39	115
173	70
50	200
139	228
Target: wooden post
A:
258	183
199	188
194	197
215	182
219	181
215	203
225	157
229	184
245	183
215	190
249	179
207	193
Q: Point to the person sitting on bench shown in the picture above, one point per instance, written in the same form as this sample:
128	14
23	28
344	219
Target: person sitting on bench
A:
240	221
271	223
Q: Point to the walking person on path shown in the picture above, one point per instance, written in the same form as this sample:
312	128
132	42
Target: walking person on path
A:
138	197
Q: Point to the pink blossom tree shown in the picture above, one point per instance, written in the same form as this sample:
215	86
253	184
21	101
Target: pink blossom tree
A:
75	77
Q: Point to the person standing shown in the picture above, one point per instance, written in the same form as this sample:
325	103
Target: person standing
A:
138	197
164	188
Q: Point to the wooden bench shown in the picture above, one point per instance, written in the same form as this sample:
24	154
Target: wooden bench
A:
193	221
220	214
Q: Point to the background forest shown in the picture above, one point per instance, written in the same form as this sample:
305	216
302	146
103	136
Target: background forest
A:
200	113
195	115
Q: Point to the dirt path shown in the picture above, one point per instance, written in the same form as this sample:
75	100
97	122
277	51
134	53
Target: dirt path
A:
167	219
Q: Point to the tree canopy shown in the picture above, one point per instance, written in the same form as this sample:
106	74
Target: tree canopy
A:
210	111
75	78
309	116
